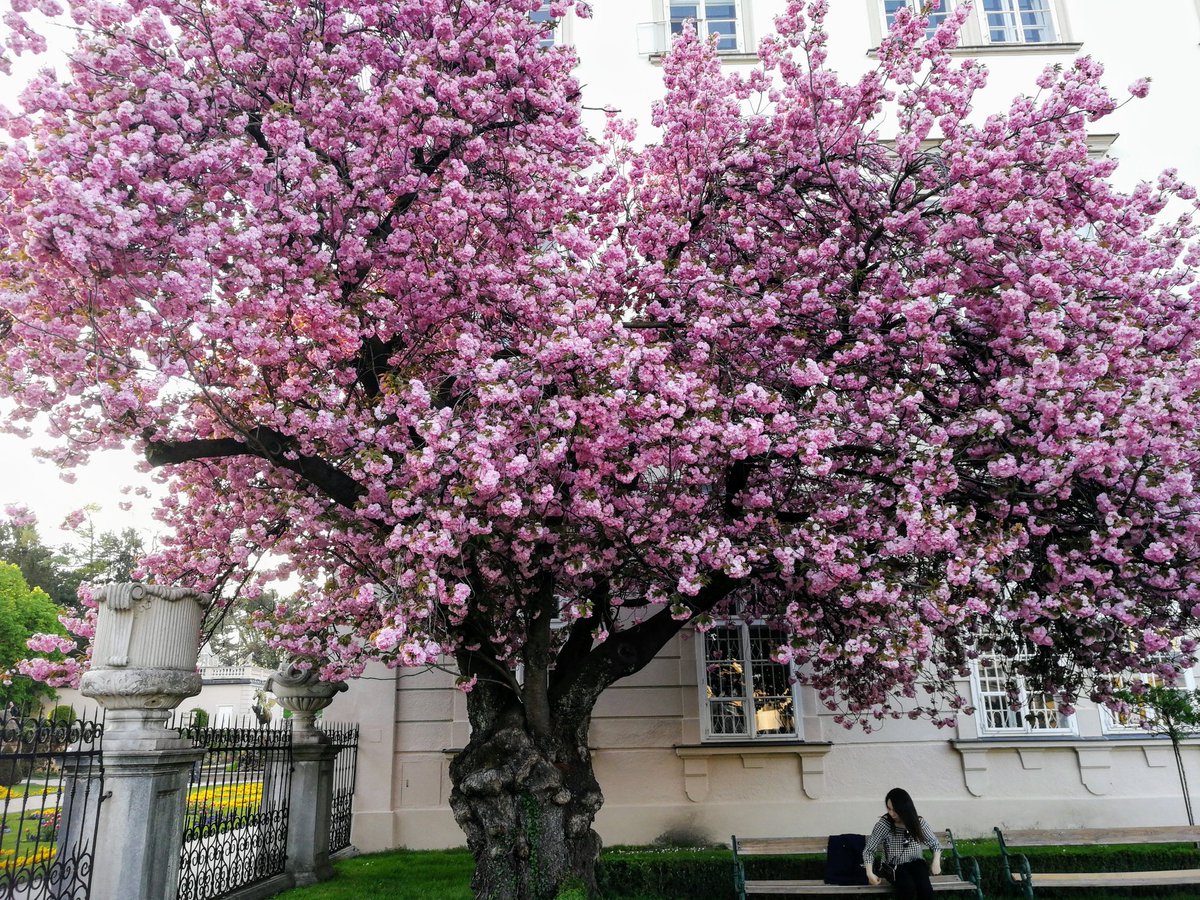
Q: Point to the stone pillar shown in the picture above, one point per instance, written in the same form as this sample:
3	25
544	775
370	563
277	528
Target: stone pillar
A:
311	803
143	665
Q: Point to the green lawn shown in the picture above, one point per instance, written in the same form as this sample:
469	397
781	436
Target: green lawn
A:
398	875
446	875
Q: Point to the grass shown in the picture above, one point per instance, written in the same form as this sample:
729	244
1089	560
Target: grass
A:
396	875
446	875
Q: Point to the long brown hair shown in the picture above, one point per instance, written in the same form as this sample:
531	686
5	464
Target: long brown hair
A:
903	804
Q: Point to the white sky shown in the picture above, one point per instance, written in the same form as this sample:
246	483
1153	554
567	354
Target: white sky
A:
36	484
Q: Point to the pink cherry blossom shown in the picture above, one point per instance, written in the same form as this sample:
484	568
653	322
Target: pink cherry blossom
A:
387	320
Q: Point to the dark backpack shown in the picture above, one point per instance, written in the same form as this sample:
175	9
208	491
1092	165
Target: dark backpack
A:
843	859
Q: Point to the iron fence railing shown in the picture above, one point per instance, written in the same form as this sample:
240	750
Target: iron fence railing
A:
345	766
51	785
236	821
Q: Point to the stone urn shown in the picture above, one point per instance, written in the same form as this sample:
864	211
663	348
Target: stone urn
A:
300	691
144	654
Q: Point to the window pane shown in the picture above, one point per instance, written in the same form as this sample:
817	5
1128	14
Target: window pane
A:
1018	21
723	662
936	17
727	32
726	683
540	16
1045	713
727	717
774	712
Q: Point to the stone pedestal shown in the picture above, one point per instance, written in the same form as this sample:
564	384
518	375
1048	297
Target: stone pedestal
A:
310	811
311	804
143	666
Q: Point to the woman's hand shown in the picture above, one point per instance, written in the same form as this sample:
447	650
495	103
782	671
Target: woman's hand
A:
873	879
936	868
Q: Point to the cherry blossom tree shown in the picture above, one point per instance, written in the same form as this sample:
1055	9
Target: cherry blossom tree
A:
357	282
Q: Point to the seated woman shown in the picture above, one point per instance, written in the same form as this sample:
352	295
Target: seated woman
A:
902	836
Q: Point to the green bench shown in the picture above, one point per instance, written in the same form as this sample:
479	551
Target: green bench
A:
1018	872
743	847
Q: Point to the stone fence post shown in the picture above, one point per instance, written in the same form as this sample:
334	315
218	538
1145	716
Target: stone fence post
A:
143	665
310	805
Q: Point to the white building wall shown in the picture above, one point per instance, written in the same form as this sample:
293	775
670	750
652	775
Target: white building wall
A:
657	775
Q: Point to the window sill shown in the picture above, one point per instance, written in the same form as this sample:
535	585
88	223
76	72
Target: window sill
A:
752	748
754	755
1059	47
733	57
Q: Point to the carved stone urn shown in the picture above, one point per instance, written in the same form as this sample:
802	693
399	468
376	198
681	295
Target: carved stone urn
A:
144	656
301	691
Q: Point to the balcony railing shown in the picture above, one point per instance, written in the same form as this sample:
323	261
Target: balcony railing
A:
234	673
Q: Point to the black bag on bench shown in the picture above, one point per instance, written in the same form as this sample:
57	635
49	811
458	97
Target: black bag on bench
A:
843	859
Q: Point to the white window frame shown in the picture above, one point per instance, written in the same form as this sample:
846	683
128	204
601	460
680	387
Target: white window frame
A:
1014	13
1109	721
1041	705
947	7
748	701
739	15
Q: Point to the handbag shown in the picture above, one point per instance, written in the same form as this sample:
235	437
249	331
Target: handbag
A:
843	859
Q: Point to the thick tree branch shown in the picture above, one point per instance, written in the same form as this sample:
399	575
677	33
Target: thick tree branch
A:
268	444
579	685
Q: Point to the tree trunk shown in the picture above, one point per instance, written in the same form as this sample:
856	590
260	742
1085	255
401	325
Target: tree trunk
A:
1183	783
526	802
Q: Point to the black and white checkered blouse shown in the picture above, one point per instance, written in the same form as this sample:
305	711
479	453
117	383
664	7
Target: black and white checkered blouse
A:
897	844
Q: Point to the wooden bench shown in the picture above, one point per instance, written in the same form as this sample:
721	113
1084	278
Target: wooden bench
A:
743	847
1018	872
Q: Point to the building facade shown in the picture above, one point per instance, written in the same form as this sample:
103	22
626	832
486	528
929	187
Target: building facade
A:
710	739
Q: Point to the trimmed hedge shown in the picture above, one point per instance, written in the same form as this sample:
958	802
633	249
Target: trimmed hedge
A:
684	873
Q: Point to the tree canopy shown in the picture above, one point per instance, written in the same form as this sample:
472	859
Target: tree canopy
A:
357	280
24	612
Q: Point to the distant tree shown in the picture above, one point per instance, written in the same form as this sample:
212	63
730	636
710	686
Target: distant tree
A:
1171	712
235	640
24	611
92	556
43	566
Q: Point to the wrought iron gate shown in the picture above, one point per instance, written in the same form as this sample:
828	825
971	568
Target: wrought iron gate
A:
345	765
236	823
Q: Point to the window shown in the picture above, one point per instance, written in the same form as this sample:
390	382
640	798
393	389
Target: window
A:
1131	722
936	17
747	695
721	19
1038	712
1017	21
541	15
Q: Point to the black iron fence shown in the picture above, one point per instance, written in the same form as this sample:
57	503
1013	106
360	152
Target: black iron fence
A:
236	823
345	765
51	782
